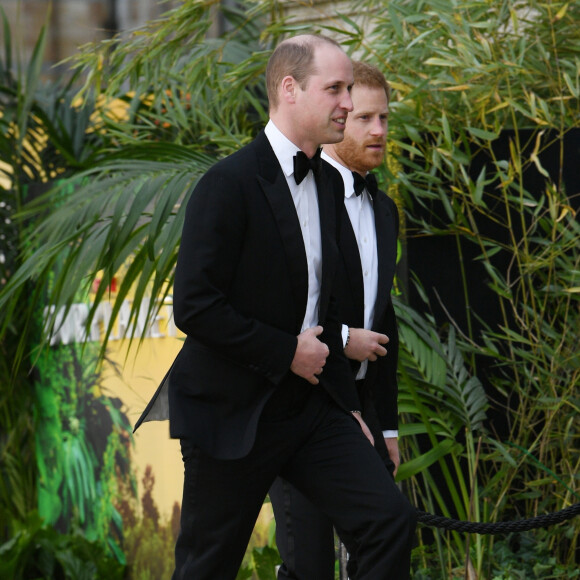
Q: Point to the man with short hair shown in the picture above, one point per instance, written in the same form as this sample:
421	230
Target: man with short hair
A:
368	247
261	387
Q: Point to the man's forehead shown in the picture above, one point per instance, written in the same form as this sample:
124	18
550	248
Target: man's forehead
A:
369	94
332	65
327	51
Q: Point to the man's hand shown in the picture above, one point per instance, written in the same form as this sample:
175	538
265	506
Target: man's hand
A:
310	356
365	344
364	428
392	444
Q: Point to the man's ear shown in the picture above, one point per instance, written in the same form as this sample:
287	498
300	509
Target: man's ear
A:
288	86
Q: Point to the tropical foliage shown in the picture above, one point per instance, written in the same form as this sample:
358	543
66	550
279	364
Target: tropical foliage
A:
42	136
82	446
35	551
486	94
64	446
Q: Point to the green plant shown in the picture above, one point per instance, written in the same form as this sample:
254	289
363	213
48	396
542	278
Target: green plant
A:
527	556
83	446
40	134
46	135
467	77
161	143
39	551
442	403
260	561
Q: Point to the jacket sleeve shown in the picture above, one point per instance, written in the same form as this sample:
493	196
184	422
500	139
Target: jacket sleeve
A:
385	398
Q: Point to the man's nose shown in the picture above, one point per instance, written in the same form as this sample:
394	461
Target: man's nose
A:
346	103
378	128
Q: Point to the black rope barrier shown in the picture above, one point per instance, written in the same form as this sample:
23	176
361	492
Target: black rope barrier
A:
435	521
542	521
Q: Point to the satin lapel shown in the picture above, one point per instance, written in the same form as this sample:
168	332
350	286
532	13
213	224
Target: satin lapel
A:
327	209
279	197
387	251
351	257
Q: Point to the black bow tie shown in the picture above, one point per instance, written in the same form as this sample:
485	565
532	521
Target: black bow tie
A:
360	182
303	164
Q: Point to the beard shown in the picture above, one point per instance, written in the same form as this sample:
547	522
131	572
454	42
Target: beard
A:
359	156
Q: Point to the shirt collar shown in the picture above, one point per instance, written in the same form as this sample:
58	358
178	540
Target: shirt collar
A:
283	148
345	173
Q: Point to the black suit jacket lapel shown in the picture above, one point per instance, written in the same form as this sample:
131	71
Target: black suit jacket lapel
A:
327	207
352	264
275	187
385	225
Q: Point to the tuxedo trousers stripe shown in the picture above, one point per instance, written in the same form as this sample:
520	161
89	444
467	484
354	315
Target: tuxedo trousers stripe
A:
321	450
304	535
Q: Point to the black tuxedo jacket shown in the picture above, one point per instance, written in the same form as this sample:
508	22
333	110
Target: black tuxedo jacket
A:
379	389
240	295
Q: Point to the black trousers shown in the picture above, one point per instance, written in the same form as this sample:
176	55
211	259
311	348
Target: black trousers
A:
304	535
321	450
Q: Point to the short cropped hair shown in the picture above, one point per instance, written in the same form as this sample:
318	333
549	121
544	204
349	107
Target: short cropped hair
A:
367	75
293	57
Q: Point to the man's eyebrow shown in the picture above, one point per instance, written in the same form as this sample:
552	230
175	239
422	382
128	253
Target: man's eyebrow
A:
370	112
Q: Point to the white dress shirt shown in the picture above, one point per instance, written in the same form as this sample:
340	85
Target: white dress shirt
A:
306	202
362	219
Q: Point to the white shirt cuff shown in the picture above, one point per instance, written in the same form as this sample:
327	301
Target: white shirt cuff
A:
390	433
344	334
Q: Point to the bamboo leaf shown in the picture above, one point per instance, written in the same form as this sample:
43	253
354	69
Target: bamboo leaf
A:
418	464
482	133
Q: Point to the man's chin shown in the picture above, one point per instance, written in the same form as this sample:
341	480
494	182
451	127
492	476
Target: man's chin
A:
337	137
373	161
